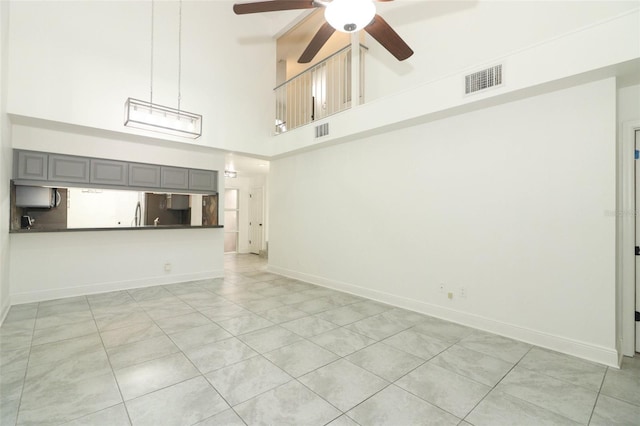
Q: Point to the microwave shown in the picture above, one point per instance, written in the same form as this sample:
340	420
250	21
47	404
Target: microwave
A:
37	197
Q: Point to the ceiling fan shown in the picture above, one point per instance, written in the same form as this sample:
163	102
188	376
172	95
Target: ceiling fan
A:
341	15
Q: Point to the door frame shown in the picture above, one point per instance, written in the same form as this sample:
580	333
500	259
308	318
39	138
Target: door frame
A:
626	225
237	210
260	218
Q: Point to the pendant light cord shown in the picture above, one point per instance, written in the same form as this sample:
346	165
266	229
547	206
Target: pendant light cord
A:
179	54
151	79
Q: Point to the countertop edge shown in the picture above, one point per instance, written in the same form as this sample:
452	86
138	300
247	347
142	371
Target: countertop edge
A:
138	228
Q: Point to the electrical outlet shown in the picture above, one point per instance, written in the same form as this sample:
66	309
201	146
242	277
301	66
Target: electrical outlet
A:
167	267
463	292
450	295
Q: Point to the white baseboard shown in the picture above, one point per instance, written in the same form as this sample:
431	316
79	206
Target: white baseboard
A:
599	354
60	293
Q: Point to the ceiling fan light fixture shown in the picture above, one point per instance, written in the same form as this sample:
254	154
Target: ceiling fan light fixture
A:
348	16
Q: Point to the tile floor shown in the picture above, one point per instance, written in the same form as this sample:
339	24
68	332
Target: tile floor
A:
258	349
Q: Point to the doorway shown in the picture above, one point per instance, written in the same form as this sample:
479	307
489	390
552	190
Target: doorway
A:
637	241
628	263
231	216
256	220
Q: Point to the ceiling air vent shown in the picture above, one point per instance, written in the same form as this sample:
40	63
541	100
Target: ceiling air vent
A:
484	79
322	130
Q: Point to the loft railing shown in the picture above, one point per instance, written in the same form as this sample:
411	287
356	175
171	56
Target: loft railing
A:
317	92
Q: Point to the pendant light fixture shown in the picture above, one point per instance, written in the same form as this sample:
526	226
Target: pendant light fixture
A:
149	116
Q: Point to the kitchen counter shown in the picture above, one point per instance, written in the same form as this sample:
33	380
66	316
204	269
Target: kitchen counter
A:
137	228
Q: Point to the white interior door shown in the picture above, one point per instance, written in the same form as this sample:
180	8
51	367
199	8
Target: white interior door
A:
256	215
637	163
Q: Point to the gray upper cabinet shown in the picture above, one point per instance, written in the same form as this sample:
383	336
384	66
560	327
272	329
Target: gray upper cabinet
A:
64	168
203	180
31	165
144	175
108	172
49	169
174	178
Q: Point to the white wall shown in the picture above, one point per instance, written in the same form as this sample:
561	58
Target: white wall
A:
85	262
600	45
449	36
629	103
62	264
509	202
78	61
5	164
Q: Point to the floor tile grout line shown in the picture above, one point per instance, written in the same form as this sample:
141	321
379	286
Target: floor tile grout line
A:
336	418
561	379
595	403
306	373
353	420
211	417
377	341
318	395
337	354
246	287
527	402
620	400
521	399
166	335
305	338
500	381
462	375
389	383
393	335
201	374
593	409
418	396
26	370
517	364
261	393
238	335
113	372
223	398
95	412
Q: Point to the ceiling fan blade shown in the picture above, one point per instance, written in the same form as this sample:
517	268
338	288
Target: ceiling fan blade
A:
272	6
321	37
388	38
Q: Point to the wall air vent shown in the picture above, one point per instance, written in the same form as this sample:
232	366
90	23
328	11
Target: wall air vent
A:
322	130
484	79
